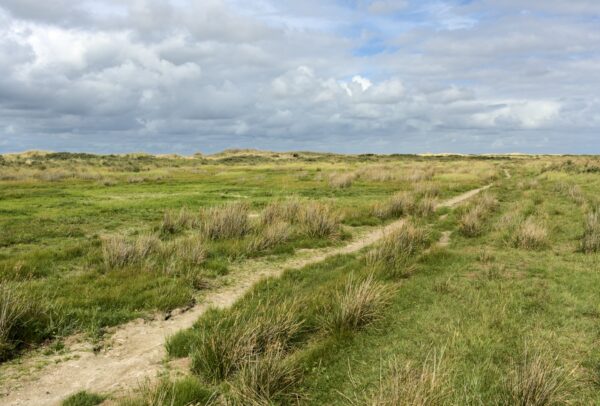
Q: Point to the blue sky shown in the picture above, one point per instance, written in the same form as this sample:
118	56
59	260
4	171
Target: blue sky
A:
347	76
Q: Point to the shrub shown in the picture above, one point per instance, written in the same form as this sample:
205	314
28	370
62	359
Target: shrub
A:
360	303
590	241
318	220
268	379
393	250
226	343
272	235
538	381
83	398
407	385
530	235
230	221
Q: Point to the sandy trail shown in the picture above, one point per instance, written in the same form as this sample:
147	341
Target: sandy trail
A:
136	352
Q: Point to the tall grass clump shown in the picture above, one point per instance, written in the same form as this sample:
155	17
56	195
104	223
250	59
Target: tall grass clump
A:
590	242
118	251
407	384
359	304
472	221
285	211
317	220
530	235
341	181
400	204
394	249
229	221
227	342
268	379
271	236
190	250
14	308
83	398
187	391
424	207
176	221
539	381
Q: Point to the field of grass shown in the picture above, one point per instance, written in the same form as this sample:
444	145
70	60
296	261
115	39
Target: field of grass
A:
506	312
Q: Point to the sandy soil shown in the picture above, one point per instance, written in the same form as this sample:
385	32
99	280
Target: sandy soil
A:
135	352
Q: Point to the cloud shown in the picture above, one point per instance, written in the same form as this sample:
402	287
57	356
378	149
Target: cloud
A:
107	75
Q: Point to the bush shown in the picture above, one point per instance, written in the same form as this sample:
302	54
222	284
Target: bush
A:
317	220
358	305
590	241
230	221
530	235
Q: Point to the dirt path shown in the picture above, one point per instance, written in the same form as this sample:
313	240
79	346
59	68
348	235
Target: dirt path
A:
136	351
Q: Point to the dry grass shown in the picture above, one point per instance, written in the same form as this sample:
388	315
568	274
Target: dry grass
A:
268	379
190	251
230	221
405	384
400	204
472	221
424	207
285	211
539	381
531	235
318	220
392	252
341	180
360	304
272	235
590	242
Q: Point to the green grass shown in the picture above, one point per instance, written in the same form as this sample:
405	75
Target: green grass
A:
84	399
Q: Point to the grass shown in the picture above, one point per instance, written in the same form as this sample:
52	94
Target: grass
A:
84	398
590	242
522	275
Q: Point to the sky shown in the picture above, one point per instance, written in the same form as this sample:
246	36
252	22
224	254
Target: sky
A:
349	76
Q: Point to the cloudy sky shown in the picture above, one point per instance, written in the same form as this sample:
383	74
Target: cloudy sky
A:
330	75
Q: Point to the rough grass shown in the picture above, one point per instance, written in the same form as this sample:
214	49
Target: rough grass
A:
84	398
267	379
274	234
361	303
226	343
188	391
118	251
284	211
400	204
393	251
537	380
14	309
224	222
531	235
318	220
341	180
590	242
409	384
472	222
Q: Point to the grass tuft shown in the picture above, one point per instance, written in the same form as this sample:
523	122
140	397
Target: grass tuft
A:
83	398
360	304
530	235
318	220
224	222
271	236
590	242
13	311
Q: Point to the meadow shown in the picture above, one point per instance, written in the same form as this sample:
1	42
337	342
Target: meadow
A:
489	300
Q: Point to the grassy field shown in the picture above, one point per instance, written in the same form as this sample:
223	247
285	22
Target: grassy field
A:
492	302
